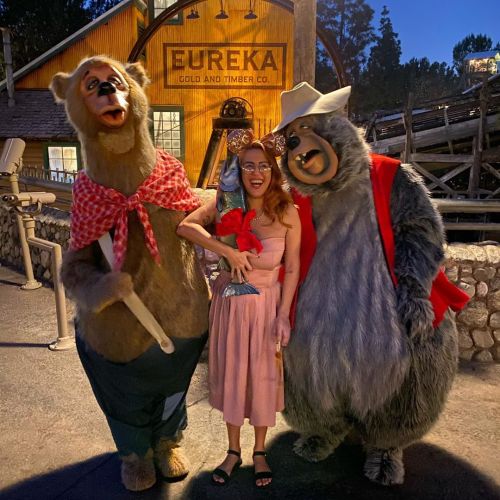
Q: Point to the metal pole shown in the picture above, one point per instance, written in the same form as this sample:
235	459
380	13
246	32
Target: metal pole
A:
64	341
31	283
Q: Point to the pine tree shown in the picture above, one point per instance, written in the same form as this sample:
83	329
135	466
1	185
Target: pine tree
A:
381	81
348	23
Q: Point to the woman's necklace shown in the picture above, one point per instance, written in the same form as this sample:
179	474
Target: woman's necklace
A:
259	216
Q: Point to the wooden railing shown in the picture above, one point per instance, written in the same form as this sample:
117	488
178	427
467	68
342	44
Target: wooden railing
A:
37	172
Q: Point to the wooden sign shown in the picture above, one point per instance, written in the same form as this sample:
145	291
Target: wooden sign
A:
224	66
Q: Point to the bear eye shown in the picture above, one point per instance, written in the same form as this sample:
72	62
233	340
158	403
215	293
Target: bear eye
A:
92	83
305	127
115	80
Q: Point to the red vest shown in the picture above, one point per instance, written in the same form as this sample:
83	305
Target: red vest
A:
383	169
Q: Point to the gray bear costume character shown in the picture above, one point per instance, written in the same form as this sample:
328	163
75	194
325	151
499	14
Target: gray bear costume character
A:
364	354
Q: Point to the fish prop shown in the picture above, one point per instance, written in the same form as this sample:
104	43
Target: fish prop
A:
233	222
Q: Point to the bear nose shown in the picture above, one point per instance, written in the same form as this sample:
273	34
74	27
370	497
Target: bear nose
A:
106	88
292	142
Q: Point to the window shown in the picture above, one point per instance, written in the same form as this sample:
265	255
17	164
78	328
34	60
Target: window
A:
168	129
156	7
62	161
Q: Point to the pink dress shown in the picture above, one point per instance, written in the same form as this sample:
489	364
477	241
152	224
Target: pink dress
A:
245	372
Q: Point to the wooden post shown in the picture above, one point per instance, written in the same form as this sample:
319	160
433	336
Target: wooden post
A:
408	123
304	64
477	143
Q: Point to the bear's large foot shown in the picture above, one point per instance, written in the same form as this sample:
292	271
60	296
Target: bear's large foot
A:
313	448
385	467
171	460
138	473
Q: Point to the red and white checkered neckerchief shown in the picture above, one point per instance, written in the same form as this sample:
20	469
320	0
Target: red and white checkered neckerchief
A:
96	209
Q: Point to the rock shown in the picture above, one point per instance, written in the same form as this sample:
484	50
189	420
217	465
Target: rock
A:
475	314
47	275
468	288
483	356
495	320
492	253
466	354
452	273
482	338
495	284
45	258
496	335
494	301
496	352
481	289
464	338
466	271
484	273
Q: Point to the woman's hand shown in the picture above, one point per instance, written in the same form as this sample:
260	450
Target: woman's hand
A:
239	263
282	330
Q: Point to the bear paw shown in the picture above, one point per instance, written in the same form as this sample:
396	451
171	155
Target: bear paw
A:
385	467
171	460
138	473
313	448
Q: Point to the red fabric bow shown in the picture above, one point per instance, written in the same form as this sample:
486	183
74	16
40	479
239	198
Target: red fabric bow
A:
96	208
234	222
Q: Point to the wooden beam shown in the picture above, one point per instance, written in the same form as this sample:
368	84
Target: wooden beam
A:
471	226
491	155
491	170
433	178
466	206
452	173
304	64
441	158
436	135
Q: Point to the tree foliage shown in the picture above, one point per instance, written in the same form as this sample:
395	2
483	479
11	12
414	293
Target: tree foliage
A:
36	28
348	23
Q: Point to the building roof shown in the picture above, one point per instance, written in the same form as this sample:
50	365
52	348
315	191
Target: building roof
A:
481	55
35	116
81	33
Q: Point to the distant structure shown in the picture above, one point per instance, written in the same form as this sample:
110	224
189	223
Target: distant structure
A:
479	64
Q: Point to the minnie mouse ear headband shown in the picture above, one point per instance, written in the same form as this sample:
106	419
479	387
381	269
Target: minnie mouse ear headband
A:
241	139
304	100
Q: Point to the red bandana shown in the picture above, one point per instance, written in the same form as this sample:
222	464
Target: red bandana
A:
234	222
96	209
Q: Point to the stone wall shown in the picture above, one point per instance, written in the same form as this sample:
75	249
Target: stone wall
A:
51	224
475	268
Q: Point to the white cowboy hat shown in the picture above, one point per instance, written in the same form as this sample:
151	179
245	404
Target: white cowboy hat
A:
304	100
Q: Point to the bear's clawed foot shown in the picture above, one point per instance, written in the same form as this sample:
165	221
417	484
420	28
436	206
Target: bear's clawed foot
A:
313	448
385	467
171	460
138	473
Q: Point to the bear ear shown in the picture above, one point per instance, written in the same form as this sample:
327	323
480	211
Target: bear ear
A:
59	86
138	73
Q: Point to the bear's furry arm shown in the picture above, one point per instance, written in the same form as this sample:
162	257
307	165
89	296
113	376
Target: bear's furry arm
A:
88	284
419	240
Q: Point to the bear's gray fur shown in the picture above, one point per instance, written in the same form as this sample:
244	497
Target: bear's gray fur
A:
363	355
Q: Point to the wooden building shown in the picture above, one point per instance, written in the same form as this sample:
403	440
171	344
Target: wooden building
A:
199	58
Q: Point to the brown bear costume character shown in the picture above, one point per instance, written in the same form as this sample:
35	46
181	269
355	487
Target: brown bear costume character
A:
374	345
140	195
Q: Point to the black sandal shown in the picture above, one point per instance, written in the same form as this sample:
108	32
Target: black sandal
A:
266	474
223	474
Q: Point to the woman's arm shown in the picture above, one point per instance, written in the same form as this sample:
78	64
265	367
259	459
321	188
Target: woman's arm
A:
192	228
292	268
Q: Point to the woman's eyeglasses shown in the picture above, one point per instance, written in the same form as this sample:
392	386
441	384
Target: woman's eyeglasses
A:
262	168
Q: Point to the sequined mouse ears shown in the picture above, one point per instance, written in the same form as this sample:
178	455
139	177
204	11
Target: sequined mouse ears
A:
241	139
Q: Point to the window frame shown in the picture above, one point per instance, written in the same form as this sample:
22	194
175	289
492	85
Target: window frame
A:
65	144
178	20
182	125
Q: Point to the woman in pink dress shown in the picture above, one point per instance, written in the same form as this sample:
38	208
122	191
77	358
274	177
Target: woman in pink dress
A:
248	331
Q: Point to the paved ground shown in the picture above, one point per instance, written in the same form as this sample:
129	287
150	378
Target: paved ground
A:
55	444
